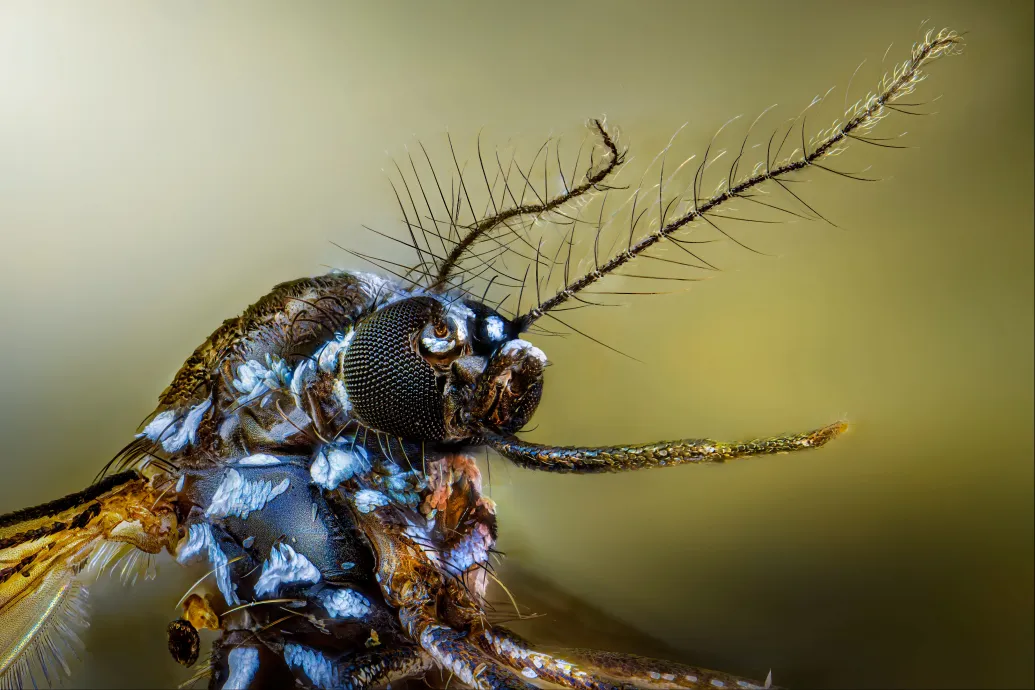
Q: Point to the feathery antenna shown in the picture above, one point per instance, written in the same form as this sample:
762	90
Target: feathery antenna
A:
857	122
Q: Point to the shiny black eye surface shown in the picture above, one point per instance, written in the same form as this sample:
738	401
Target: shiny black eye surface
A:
391	386
416	369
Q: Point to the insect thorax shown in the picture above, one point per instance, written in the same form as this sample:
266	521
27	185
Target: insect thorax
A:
277	482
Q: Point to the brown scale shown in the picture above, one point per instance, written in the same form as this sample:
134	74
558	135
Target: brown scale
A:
295	311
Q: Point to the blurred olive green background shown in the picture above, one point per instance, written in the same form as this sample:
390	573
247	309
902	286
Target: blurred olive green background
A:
163	164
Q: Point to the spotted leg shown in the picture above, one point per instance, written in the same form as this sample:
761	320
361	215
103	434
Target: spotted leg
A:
531	663
249	665
595	670
360	672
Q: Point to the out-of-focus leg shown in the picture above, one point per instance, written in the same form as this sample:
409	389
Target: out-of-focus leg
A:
587	669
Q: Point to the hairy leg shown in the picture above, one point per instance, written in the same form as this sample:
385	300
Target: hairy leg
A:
440	618
597	670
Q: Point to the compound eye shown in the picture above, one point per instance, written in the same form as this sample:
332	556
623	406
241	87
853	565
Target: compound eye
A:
442	341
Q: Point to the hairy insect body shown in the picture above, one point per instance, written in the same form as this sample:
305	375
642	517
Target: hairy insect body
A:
276	473
349	544
315	454
333	524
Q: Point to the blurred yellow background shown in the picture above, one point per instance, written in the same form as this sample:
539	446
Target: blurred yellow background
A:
163	164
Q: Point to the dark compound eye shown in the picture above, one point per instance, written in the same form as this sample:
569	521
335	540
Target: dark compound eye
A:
404	360
391	384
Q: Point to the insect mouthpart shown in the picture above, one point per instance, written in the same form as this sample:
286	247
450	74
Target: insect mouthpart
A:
510	389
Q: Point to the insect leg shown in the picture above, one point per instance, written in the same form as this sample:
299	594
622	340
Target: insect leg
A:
360	672
447	627
457	652
520	656
585	460
594	670
247	659
43	549
239	661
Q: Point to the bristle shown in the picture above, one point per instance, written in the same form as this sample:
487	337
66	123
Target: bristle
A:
129	561
696	207
670	208
47	549
40	629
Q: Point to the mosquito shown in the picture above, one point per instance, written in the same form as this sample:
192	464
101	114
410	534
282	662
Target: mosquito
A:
317	452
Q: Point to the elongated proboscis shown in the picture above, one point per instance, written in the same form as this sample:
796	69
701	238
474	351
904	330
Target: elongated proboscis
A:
588	460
